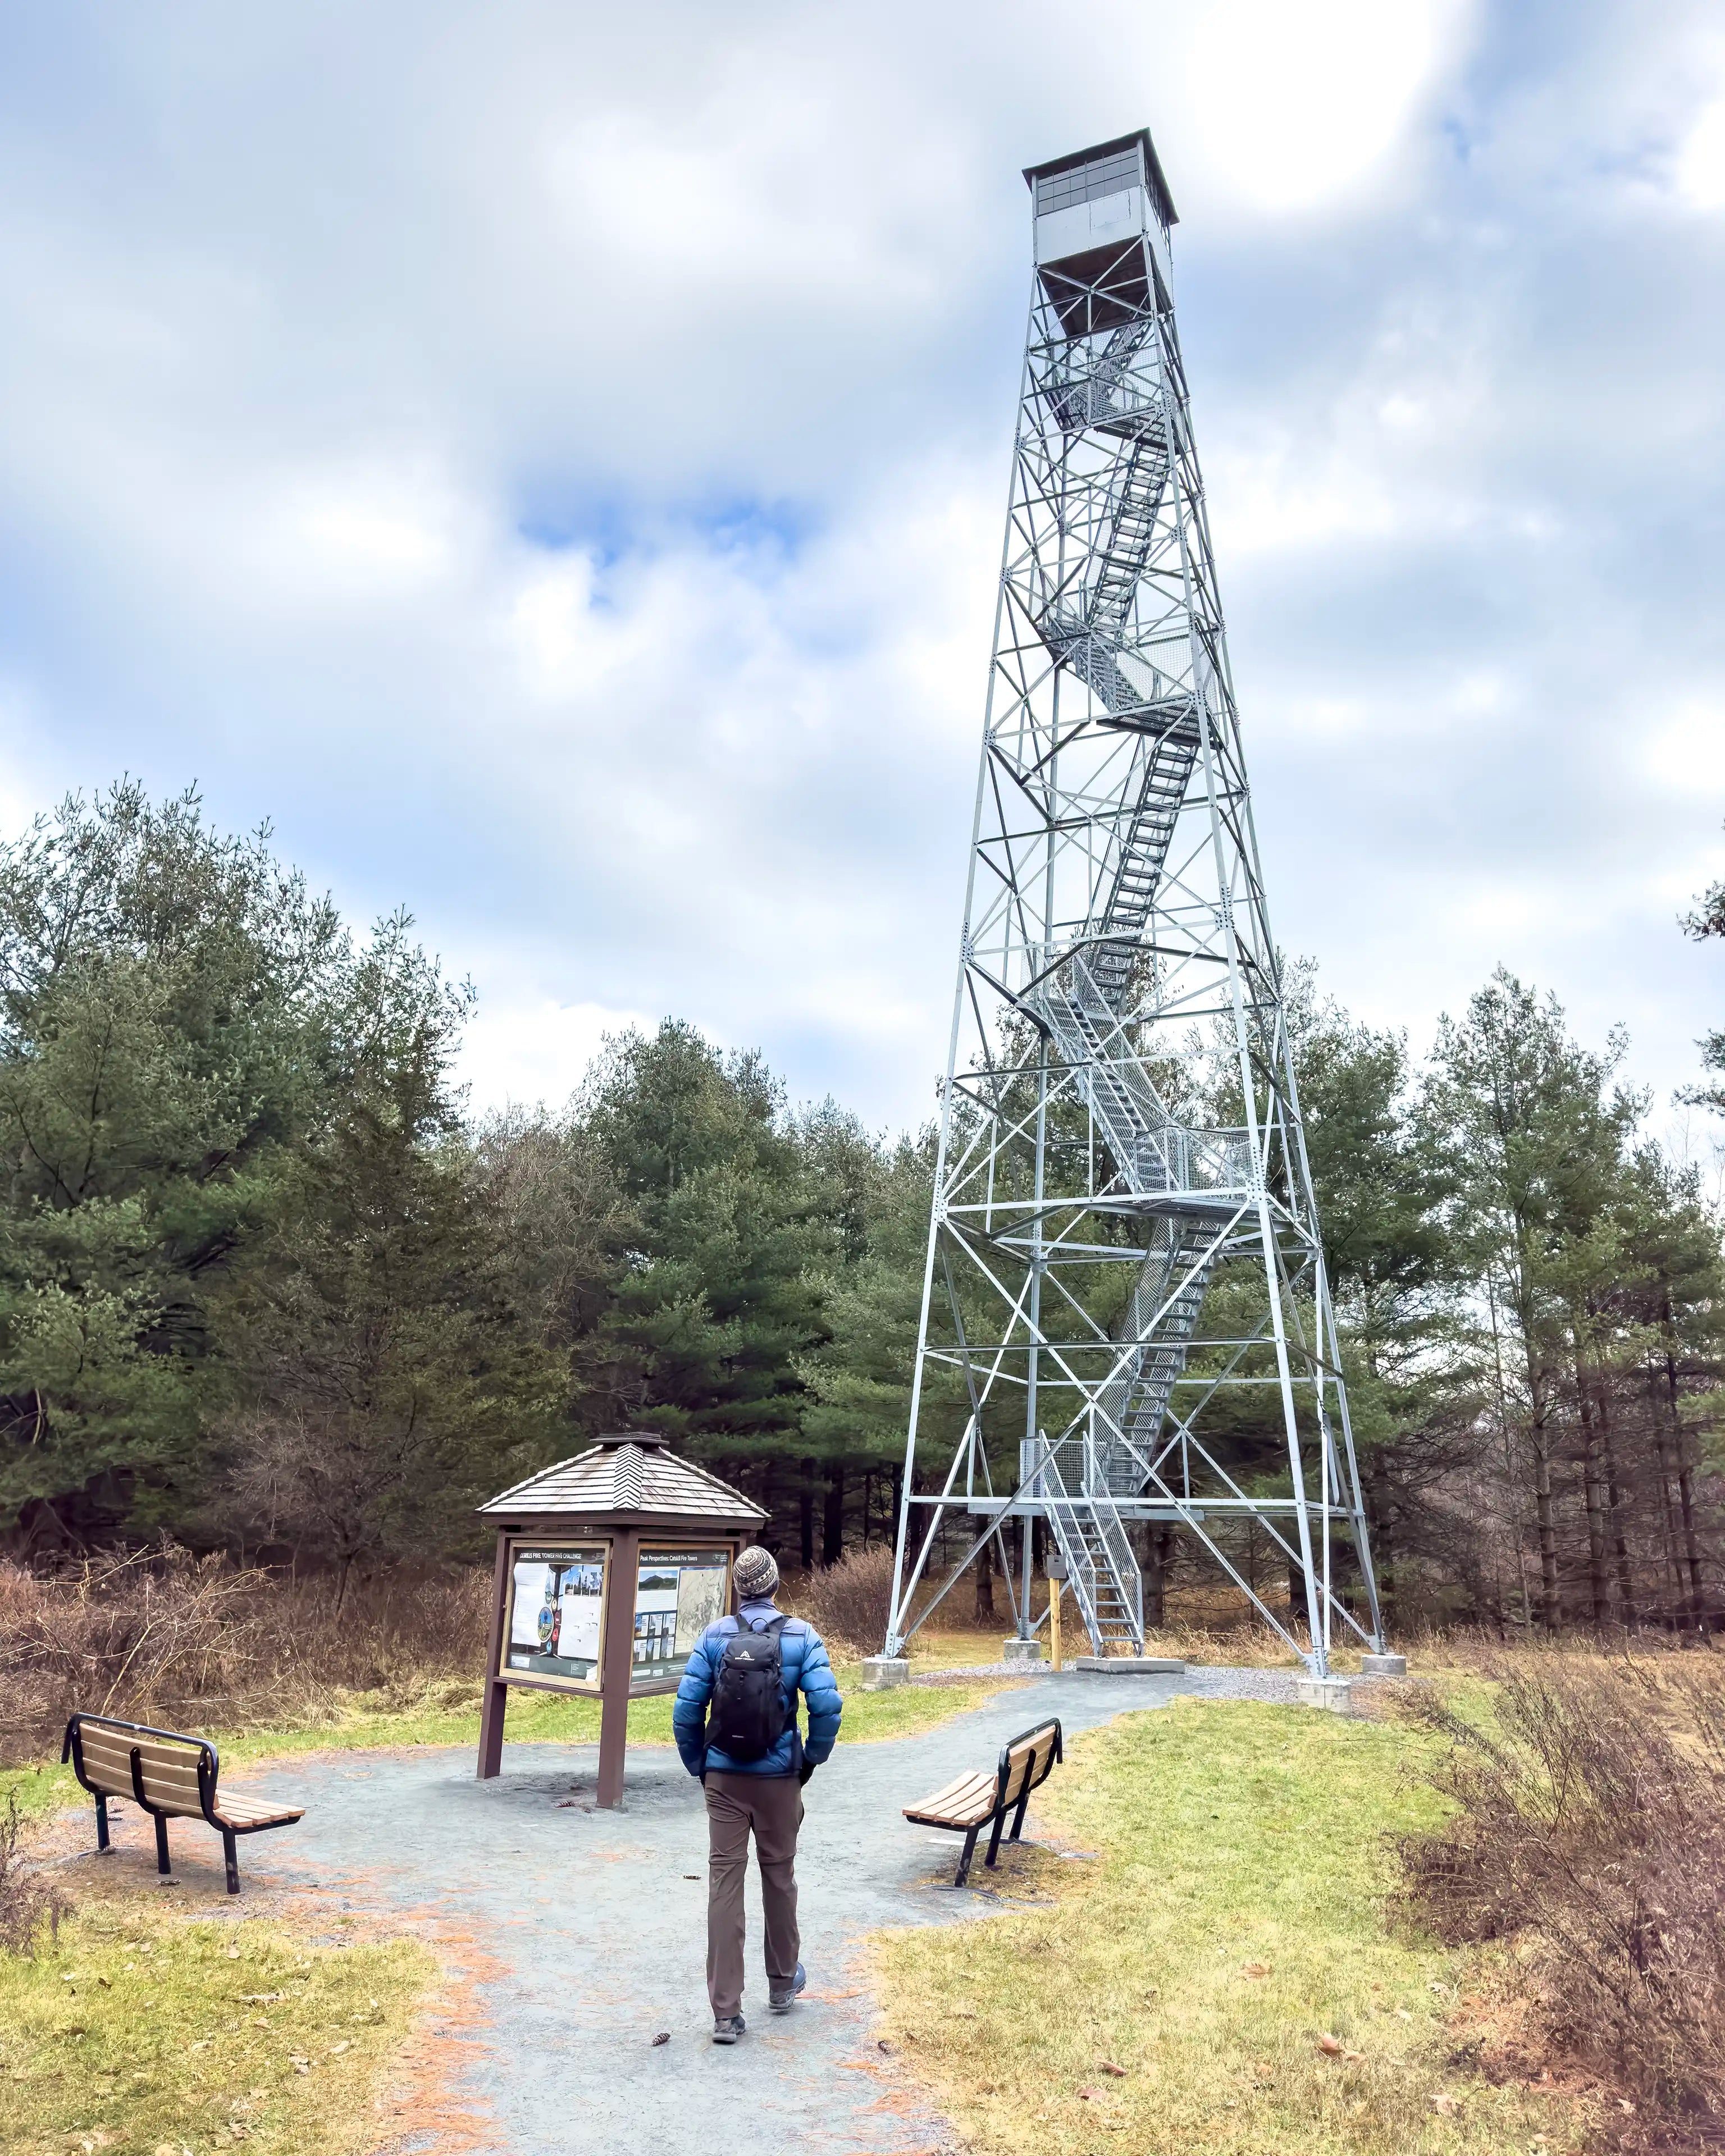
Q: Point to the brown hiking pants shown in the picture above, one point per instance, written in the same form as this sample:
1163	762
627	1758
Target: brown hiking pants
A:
770	1807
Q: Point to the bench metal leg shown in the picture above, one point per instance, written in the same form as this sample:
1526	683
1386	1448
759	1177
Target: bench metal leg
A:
101	1820
1018	1817
969	1852
161	1862
994	1839
231	1855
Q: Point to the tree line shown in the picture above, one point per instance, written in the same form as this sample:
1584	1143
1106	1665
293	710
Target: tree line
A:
265	1284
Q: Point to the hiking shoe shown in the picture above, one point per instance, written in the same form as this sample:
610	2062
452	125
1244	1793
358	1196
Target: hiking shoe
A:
782	2000
727	2029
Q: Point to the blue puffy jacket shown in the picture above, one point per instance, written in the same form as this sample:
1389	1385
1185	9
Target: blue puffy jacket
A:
806	1669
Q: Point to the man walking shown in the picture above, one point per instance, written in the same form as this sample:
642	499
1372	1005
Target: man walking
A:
753	1761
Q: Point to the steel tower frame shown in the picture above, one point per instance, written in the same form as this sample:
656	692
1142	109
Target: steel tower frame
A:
1091	1212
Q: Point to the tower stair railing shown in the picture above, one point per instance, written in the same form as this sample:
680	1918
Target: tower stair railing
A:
1092	1536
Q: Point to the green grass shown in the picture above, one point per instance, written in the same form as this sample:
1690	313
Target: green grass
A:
1225	1834
139	2030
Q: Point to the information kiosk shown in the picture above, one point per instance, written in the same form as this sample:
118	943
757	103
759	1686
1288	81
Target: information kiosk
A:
610	1566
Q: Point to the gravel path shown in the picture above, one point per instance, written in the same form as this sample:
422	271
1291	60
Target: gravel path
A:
591	1925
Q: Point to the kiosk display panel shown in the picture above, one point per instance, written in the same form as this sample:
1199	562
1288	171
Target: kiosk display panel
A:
554	1627
678	1594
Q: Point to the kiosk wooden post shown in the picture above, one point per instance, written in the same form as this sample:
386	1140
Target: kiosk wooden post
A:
615	1686
496	1696
609	1566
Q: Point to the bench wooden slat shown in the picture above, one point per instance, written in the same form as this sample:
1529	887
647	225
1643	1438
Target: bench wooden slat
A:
150	1749
963	1814
169	1771
1025	1764
959	1797
966	1787
249	1812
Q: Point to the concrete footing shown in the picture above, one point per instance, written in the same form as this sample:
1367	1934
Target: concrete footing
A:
1130	1665
1021	1650
1335	1693
1383	1665
880	1672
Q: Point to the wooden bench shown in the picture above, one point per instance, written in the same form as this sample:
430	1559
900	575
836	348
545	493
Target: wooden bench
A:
167	1775
968	1805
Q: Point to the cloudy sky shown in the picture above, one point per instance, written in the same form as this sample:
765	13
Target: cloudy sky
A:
549	460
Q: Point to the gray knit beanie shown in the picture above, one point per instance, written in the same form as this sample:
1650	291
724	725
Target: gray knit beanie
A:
755	1573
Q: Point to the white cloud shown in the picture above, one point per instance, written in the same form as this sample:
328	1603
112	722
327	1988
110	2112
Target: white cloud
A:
356	537
533	1051
1698	167
1307	103
1685	755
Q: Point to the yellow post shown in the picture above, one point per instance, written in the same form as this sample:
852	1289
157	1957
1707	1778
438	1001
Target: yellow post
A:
1054	1622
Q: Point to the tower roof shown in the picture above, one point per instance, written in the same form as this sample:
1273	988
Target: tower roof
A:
633	1476
1153	166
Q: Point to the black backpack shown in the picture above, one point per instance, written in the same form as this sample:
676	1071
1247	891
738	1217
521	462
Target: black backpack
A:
748	1714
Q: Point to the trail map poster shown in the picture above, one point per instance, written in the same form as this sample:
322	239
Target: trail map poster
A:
555	1597
678	1594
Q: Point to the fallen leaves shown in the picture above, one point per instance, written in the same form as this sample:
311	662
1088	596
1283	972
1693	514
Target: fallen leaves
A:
1331	2046
1254	1969
1108	2066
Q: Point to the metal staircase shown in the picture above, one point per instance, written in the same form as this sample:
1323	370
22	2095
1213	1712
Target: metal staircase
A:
1100	1568
1085	1001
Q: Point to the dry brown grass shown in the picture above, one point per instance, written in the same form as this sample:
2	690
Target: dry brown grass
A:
1590	1835
166	1637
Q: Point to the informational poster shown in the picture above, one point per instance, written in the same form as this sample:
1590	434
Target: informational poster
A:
556	1599
678	1594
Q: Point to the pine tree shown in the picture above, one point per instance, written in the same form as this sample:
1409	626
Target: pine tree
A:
165	1005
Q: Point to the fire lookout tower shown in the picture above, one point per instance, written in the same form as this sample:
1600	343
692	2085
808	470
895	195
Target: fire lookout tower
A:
1125	1280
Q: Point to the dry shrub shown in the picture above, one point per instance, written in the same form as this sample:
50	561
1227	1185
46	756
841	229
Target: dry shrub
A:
168	1638
1591	1834
1495	1653
847	1603
27	1900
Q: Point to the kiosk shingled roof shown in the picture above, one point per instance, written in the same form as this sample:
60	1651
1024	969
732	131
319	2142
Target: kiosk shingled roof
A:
628	1474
